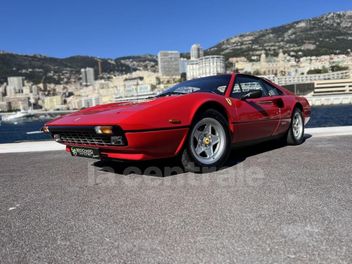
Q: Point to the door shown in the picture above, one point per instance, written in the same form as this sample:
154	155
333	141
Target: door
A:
256	118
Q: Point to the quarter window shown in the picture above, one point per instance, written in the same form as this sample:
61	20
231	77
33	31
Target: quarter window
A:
236	92
272	91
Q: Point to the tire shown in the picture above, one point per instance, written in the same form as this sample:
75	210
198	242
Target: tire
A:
208	144
295	134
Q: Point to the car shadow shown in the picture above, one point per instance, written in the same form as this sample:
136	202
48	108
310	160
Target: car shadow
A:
172	167
240	154
156	168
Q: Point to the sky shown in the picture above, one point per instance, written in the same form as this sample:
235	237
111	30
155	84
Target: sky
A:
110	29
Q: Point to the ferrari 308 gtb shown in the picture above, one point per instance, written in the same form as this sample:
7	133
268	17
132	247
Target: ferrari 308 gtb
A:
197	120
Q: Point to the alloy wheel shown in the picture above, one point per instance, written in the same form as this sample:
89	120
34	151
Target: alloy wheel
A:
208	141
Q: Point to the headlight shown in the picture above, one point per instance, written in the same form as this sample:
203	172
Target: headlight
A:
106	130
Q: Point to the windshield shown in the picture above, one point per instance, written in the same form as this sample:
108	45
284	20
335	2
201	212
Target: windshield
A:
213	84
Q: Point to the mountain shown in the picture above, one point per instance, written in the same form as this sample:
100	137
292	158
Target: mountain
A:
36	67
142	62
327	34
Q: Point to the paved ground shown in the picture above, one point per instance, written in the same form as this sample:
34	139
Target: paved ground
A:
272	204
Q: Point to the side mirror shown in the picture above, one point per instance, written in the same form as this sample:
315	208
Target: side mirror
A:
252	94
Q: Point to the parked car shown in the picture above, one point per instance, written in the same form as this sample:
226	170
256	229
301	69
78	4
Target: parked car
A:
197	120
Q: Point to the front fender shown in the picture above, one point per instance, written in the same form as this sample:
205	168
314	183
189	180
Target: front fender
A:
179	109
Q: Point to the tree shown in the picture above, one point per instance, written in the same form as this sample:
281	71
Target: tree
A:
335	68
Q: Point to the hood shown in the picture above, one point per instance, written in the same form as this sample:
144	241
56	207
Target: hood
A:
108	114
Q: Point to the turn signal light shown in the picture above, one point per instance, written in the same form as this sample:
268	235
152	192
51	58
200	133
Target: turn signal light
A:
45	129
106	130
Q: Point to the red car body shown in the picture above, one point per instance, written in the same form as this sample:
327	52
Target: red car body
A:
158	128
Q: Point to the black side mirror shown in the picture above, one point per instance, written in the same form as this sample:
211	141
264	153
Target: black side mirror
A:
252	94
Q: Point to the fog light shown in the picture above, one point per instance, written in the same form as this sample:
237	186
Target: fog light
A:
57	137
106	130
117	140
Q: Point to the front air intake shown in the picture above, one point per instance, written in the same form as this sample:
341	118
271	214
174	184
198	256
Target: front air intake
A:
87	136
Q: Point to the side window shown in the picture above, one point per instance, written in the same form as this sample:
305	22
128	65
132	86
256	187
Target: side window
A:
272	91
251	84
221	89
236	91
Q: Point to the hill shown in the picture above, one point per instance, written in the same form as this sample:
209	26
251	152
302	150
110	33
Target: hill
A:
37	67
327	34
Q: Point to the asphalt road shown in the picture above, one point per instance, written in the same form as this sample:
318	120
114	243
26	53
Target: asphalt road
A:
271	205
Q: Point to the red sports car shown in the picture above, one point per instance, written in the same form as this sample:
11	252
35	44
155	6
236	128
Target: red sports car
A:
197	120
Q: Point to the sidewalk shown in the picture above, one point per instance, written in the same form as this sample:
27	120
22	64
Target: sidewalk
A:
329	131
32	146
38	146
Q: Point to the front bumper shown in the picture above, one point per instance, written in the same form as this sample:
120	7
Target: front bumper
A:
142	145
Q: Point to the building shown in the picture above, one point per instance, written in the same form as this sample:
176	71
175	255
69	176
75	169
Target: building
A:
333	87
52	102
309	78
183	65
27	90
285	65
169	63
18	102
90	101
206	66
134	88
87	76
2	92
137	85
106	91
5	106
14	85
196	52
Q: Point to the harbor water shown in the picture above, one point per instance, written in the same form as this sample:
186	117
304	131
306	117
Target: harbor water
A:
28	130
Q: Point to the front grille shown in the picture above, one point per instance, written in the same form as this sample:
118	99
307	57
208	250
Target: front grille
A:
84	138
87	136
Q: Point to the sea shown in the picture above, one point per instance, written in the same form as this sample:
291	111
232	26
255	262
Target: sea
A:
29	129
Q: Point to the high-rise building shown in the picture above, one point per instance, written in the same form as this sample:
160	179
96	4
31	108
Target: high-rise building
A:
84	76
183	65
206	66
196	52
87	76
14	85
100	69
169	63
